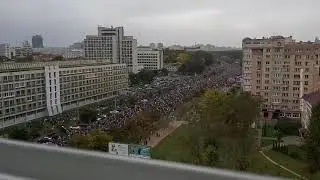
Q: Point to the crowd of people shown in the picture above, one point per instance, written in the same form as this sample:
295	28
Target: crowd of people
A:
163	96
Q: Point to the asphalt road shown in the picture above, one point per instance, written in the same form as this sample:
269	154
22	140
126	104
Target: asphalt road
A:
41	162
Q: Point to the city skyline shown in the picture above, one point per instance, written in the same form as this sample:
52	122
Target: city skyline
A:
171	22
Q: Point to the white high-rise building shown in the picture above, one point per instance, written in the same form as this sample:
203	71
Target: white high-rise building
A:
111	46
5	50
160	45
152	45
150	59
27	49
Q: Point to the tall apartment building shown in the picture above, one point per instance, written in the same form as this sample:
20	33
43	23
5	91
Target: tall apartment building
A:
5	50
281	71
24	51
160	46
34	90
37	41
150	59
152	45
111	46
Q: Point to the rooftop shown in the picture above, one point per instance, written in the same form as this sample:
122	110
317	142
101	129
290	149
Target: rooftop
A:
313	98
13	66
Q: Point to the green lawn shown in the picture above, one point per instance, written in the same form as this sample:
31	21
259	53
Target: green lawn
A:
174	148
266	142
295	165
263	167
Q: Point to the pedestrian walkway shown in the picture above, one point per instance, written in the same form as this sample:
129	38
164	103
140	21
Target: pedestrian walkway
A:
282	167
156	137
288	140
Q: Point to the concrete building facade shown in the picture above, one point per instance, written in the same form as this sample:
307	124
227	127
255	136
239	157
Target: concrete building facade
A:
5	50
281	71
150	59
35	90
112	46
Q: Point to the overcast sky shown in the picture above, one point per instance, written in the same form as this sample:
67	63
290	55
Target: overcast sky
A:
185	22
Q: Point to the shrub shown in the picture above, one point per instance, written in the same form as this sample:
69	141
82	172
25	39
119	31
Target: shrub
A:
294	155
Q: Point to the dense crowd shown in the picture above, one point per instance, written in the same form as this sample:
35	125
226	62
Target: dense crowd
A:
164	95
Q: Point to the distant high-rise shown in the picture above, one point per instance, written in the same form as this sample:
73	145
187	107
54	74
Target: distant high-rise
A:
37	41
112	46
77	45
317	41
152	45
7	51
160	45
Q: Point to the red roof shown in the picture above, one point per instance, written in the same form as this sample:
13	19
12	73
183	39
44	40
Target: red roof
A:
313	98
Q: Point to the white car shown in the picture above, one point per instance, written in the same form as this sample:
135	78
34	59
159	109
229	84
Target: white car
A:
74	127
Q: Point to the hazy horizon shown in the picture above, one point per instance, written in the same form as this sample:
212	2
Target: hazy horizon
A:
184	22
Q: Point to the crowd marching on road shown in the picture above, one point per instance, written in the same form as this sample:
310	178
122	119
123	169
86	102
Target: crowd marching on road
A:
164	95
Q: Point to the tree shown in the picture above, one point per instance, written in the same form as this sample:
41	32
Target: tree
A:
25	59
19	134
88	115
313	140
138	130
95	140
164	72
229	116
57	58
100	140
143	77
279	135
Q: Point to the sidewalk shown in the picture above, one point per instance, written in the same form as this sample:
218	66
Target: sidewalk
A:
282	167
155	138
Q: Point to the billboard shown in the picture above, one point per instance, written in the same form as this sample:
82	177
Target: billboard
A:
133	150
118	149
140	151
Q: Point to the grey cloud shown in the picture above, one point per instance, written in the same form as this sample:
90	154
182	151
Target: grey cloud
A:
185	22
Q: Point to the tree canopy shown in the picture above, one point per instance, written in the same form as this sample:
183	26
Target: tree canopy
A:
146	76
313	140
19	133
196	62
88	115
219	118
57	58
95	140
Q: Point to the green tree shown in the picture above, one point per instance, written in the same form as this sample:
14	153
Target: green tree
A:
19	133
229	116
95	140
313	140
143	77
100	140
57	58
88	115
279	135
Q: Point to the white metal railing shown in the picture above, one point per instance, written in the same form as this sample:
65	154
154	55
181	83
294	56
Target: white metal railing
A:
51	163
